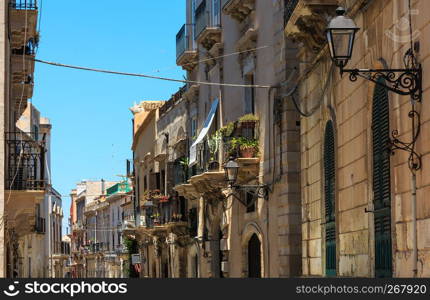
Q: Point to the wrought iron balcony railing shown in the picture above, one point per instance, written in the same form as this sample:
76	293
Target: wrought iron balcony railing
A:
29	49
170	211
26	161
40	225
206	17
181	41
23	4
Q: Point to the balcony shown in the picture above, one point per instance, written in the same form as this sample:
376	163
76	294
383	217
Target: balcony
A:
26	162
186	54
118	191
22	63
306	21
40	225
78	226
238	9
166	214
23	21
21	92
207	25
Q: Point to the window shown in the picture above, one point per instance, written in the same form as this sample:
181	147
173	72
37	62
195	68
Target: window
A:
381	182
329	193
193	221
249	103
195	266
145	184
250	200
163	178
216	20
194	128
158	181
36	132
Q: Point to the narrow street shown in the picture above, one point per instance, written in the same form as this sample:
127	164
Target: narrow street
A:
215	139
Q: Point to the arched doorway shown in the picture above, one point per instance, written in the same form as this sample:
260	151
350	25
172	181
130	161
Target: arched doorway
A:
381	182
217	255
329	193
254	257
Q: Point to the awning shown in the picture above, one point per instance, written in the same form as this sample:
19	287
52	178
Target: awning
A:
203	132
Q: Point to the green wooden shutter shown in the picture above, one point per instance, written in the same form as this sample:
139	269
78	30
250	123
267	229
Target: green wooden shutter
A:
329	191
381	183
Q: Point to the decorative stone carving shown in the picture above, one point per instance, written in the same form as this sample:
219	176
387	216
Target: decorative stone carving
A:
188	60
216	51
239	9
192	93
308	22
209	37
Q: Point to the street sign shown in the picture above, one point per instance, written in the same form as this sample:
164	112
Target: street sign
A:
135	259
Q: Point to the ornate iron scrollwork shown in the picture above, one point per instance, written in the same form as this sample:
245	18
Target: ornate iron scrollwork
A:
405	82
395	143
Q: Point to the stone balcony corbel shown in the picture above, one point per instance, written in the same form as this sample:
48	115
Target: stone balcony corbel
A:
247	41
308	22
209	37
239	9
192	93
188	60
216	51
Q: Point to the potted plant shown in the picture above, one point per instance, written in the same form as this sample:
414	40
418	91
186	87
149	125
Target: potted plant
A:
164	199
156	218
248	121
213	144
184	163
248	148
227	130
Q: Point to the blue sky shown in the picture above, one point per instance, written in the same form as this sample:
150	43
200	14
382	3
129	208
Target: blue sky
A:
89	112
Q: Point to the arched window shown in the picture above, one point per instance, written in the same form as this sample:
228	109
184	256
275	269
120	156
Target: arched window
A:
329	192
254	257
381	182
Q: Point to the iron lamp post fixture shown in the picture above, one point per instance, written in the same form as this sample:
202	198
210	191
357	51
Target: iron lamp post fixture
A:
231	171
340	36
341	33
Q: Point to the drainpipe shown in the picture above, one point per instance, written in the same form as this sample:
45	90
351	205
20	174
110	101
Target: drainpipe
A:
414	226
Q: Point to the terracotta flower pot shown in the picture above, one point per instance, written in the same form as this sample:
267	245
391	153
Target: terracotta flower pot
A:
247	152
247	124
213	165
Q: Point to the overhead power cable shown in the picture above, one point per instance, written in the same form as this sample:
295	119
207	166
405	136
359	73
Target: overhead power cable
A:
150	76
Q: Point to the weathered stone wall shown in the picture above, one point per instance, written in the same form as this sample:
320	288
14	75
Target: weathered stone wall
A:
349	104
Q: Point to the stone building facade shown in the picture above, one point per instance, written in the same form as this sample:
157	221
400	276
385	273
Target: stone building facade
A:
213	233
357	199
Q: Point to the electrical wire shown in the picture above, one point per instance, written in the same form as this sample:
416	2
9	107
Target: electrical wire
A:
320	100
213	58
149	76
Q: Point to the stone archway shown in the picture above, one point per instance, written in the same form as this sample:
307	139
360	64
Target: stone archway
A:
252	251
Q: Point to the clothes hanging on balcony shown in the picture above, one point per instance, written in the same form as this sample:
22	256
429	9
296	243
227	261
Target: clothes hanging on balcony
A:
203	132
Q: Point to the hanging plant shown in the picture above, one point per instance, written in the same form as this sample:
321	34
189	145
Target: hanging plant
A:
213	144
227	130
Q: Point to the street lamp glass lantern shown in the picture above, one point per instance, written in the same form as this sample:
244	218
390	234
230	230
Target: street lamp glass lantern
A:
231	170
340	36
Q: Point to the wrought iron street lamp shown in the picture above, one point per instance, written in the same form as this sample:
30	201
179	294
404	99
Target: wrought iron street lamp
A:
231	171
341	35
406	82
